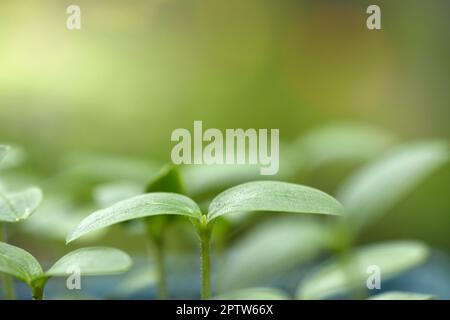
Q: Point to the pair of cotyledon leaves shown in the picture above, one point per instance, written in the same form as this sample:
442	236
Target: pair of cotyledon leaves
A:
251	196
19	263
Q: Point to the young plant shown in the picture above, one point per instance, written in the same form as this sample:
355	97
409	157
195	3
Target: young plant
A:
91	261
263	196
15	207
366	195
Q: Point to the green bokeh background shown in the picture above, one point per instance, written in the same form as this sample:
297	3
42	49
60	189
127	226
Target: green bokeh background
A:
139	69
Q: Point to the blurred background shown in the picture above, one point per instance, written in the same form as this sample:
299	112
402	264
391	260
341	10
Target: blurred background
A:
139	69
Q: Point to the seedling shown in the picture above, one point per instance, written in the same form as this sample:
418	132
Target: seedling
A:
15	207
253	196
91	261
367	195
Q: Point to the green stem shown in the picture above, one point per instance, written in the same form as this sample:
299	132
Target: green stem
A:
342	244
38	292
155	235
8	287
352	274
205	243
8	282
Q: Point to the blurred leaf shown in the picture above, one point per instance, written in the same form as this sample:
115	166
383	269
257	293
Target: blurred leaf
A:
92	261
14	156
273	196
108	194
3	151
349	273
379	186
102	167
145	205
271	249
19	263
55	218
341	143
207	179
168	179
134	282
16	206
254	294
397	295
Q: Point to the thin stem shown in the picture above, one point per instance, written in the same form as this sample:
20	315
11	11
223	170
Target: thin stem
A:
352	275
38	292
205	243
155	234
349	264
8	282
8	287
160	270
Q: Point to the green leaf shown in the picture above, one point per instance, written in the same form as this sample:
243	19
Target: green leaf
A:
18	263
290	241
341	143
16	206
168	179
349	273
379	186
254	294
14	156
91	261
273	196
398	295
55	218
3	151
145	205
